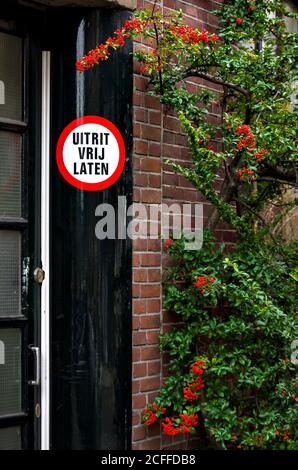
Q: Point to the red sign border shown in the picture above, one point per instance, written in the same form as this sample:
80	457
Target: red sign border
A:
59	153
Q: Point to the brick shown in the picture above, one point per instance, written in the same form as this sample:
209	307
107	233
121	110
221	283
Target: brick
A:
141	179
151	102
136	418
136	195
181	140
141	83
151	383
136	260
154	430
152	444
168	137
139	338
135	386
206	4
139	244
149	321
150	290
154	275
170	4
153	367
149	132
140	275
141	147
137	99
136	290
138	433
155	117
150	259
136	354
136	164
139	370
151	396
171	151
139	306
154	245
152	337
154	149
173	192
136	130
150	352
135	323
153	305
140	114
151	196
171	179
154	181
139	402
151	164
172	124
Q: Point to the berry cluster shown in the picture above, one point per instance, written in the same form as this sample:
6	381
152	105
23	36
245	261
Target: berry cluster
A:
192	36
203	282
102	52
150	414
191	391
247	143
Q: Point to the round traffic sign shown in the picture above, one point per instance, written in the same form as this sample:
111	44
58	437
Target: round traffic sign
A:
91	153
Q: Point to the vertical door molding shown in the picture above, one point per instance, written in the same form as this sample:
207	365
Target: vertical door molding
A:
45	196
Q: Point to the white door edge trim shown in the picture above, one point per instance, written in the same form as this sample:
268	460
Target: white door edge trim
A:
45	217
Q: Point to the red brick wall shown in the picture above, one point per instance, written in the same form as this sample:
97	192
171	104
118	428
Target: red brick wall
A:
156	138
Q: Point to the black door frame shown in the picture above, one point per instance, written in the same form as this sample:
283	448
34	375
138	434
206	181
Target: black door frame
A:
17	22
91	319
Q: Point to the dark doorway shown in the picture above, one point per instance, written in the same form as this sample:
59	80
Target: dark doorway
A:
91	279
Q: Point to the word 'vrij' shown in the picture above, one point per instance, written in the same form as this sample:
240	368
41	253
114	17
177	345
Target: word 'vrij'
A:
91	146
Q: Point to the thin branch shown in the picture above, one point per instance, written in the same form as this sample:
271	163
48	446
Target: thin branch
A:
206	76
279	173
228	173
158	60
277	180
153	9
256	214
218	81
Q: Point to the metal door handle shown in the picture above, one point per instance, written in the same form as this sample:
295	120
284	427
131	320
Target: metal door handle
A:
36	353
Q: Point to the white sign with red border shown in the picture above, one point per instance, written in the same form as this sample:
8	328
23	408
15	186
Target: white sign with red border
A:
91	153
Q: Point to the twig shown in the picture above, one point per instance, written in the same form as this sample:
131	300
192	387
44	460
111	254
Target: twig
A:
262	219
153	8
277	180
219	81
158	60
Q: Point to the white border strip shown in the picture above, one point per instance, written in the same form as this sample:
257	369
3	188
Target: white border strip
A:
45	202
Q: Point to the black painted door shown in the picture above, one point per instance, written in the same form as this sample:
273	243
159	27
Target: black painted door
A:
91	296
19	239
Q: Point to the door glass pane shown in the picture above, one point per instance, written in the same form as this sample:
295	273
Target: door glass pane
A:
10	273
10	371
10	174
10	77
10	438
